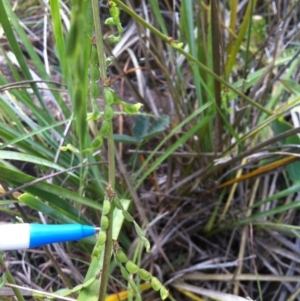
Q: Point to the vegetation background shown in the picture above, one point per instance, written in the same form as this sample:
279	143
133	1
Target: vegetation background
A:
209	168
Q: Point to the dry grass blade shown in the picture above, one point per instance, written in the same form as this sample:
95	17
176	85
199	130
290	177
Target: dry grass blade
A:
209	293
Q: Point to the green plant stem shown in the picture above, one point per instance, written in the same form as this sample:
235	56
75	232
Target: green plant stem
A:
190	58
10	279
111	157
106	257
103	75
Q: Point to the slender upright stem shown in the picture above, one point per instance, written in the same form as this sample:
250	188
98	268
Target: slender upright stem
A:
103	76
111	156
106	258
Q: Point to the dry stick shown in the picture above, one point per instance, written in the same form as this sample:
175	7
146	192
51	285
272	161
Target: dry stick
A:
240	277
243	243
23	83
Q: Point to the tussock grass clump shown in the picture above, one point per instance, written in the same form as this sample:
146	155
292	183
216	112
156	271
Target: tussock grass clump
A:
197	103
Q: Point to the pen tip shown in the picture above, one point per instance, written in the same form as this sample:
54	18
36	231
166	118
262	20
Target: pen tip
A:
97	229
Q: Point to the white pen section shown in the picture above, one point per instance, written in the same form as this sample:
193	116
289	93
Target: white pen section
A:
14	236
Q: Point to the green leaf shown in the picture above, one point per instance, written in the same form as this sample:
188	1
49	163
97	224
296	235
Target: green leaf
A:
2	280
55	213
17	156
48	192
158	126
126	139
141	126
58	32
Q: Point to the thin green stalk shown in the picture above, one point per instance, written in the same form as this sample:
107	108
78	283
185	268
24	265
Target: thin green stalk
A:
111	157
103	75
107	257
10	279
190	58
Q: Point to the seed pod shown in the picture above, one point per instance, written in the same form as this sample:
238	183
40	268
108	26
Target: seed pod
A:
106	207
121	256
131	267
108	112
94	90
108	95
109	21
131	109
117	203
95	115
145	275
94	55
155	283
127	216
104	222
164	293
97	143
97	252
94	73
114	39
101	238
105	128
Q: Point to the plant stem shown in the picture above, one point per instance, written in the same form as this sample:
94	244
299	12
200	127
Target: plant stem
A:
111	157
106	257
103	75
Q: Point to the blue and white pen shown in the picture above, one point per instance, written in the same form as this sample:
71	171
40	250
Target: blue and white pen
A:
25	236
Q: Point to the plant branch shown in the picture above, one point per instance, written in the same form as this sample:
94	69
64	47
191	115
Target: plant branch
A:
106	257
111	156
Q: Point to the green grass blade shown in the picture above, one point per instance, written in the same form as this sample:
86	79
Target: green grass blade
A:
173	147
58	34
189	30
232	56
44	190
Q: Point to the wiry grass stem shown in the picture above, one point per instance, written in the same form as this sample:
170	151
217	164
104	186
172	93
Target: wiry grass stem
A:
111	156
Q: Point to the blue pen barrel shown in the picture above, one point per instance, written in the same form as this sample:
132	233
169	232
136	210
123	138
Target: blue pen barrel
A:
24	236
46	234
